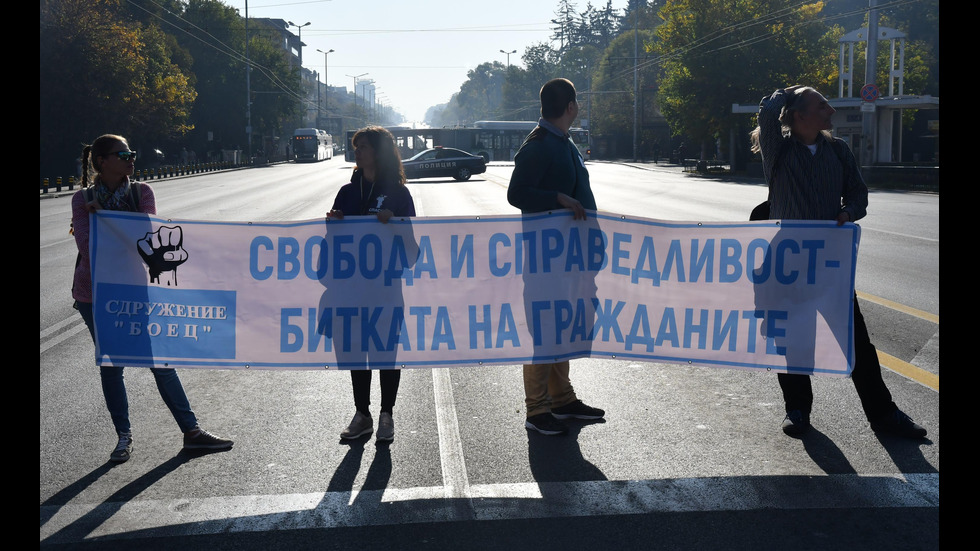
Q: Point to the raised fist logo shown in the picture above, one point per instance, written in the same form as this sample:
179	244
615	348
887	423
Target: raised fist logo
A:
163	250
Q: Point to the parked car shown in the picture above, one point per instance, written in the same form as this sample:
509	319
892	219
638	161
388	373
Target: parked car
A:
442	162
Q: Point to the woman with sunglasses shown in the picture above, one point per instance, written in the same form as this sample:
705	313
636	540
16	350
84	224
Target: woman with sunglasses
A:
107	165
376	187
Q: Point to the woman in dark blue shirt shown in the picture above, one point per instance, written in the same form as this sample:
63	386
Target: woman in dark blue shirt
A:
377	187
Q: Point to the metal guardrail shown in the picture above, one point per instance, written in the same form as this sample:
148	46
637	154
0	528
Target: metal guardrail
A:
147	174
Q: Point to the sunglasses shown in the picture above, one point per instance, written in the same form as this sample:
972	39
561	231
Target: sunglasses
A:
126	156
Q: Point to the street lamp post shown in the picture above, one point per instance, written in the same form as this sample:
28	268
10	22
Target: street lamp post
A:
508	57
326	86
299	30
355	85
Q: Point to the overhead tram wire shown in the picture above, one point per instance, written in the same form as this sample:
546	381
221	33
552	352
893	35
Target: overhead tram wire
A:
224	49
749	41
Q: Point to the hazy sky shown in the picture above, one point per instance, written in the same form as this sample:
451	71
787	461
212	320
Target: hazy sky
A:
417	51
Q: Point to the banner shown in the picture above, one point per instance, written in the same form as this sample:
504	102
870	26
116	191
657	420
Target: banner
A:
467	291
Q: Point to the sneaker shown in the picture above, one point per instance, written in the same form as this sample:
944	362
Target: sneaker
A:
545	423
200	439
359	426
796	423
123	448
577	410
898	423
386	427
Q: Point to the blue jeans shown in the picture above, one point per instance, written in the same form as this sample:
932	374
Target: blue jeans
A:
114	388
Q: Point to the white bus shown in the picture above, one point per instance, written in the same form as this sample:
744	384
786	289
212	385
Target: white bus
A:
312	144
493	140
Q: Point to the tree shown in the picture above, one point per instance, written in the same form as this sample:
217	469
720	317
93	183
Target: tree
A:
613	101
480	96
520	92
102	72
717	52
602	23
216	39
511	93
566	23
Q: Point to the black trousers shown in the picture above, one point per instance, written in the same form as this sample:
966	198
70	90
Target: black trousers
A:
361	381
871	389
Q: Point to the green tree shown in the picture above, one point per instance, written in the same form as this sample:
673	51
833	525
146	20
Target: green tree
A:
613	101
480	96
276	88
520	92
103	72
215	37
716	52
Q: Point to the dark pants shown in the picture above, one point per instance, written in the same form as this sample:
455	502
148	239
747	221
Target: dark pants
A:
875	398
361	381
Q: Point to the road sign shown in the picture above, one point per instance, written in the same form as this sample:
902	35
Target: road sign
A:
869	92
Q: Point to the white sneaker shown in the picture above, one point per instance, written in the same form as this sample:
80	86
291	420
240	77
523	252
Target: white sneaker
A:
386	427
359	426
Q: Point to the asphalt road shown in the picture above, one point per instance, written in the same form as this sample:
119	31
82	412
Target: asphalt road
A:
687	457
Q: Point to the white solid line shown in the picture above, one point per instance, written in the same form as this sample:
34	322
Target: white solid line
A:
919	237
76	522
454	479
69	333
454	476
54	243
59	325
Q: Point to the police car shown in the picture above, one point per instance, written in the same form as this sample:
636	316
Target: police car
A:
444	161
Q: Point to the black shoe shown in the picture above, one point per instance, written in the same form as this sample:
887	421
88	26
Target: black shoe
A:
545	423
123	448
200	439
898	423
796	423
577	410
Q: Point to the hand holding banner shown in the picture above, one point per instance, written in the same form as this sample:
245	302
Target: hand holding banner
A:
439	292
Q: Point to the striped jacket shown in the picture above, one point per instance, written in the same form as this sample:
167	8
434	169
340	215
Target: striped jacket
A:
803	185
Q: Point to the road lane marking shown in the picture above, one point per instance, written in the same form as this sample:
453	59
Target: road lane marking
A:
454	478
919	237
58	326
77	522
62	337
59	242
903	368
909	371
934	318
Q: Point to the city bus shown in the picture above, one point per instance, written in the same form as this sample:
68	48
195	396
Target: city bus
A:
493	140
312	144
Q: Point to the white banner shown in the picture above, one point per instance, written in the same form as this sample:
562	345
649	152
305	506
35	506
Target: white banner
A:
455	291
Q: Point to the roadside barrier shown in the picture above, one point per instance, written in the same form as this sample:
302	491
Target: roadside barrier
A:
157	173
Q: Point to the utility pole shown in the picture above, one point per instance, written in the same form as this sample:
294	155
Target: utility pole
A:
869	119
636	81
248	91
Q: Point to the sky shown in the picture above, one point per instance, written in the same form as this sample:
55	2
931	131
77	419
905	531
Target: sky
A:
416	51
